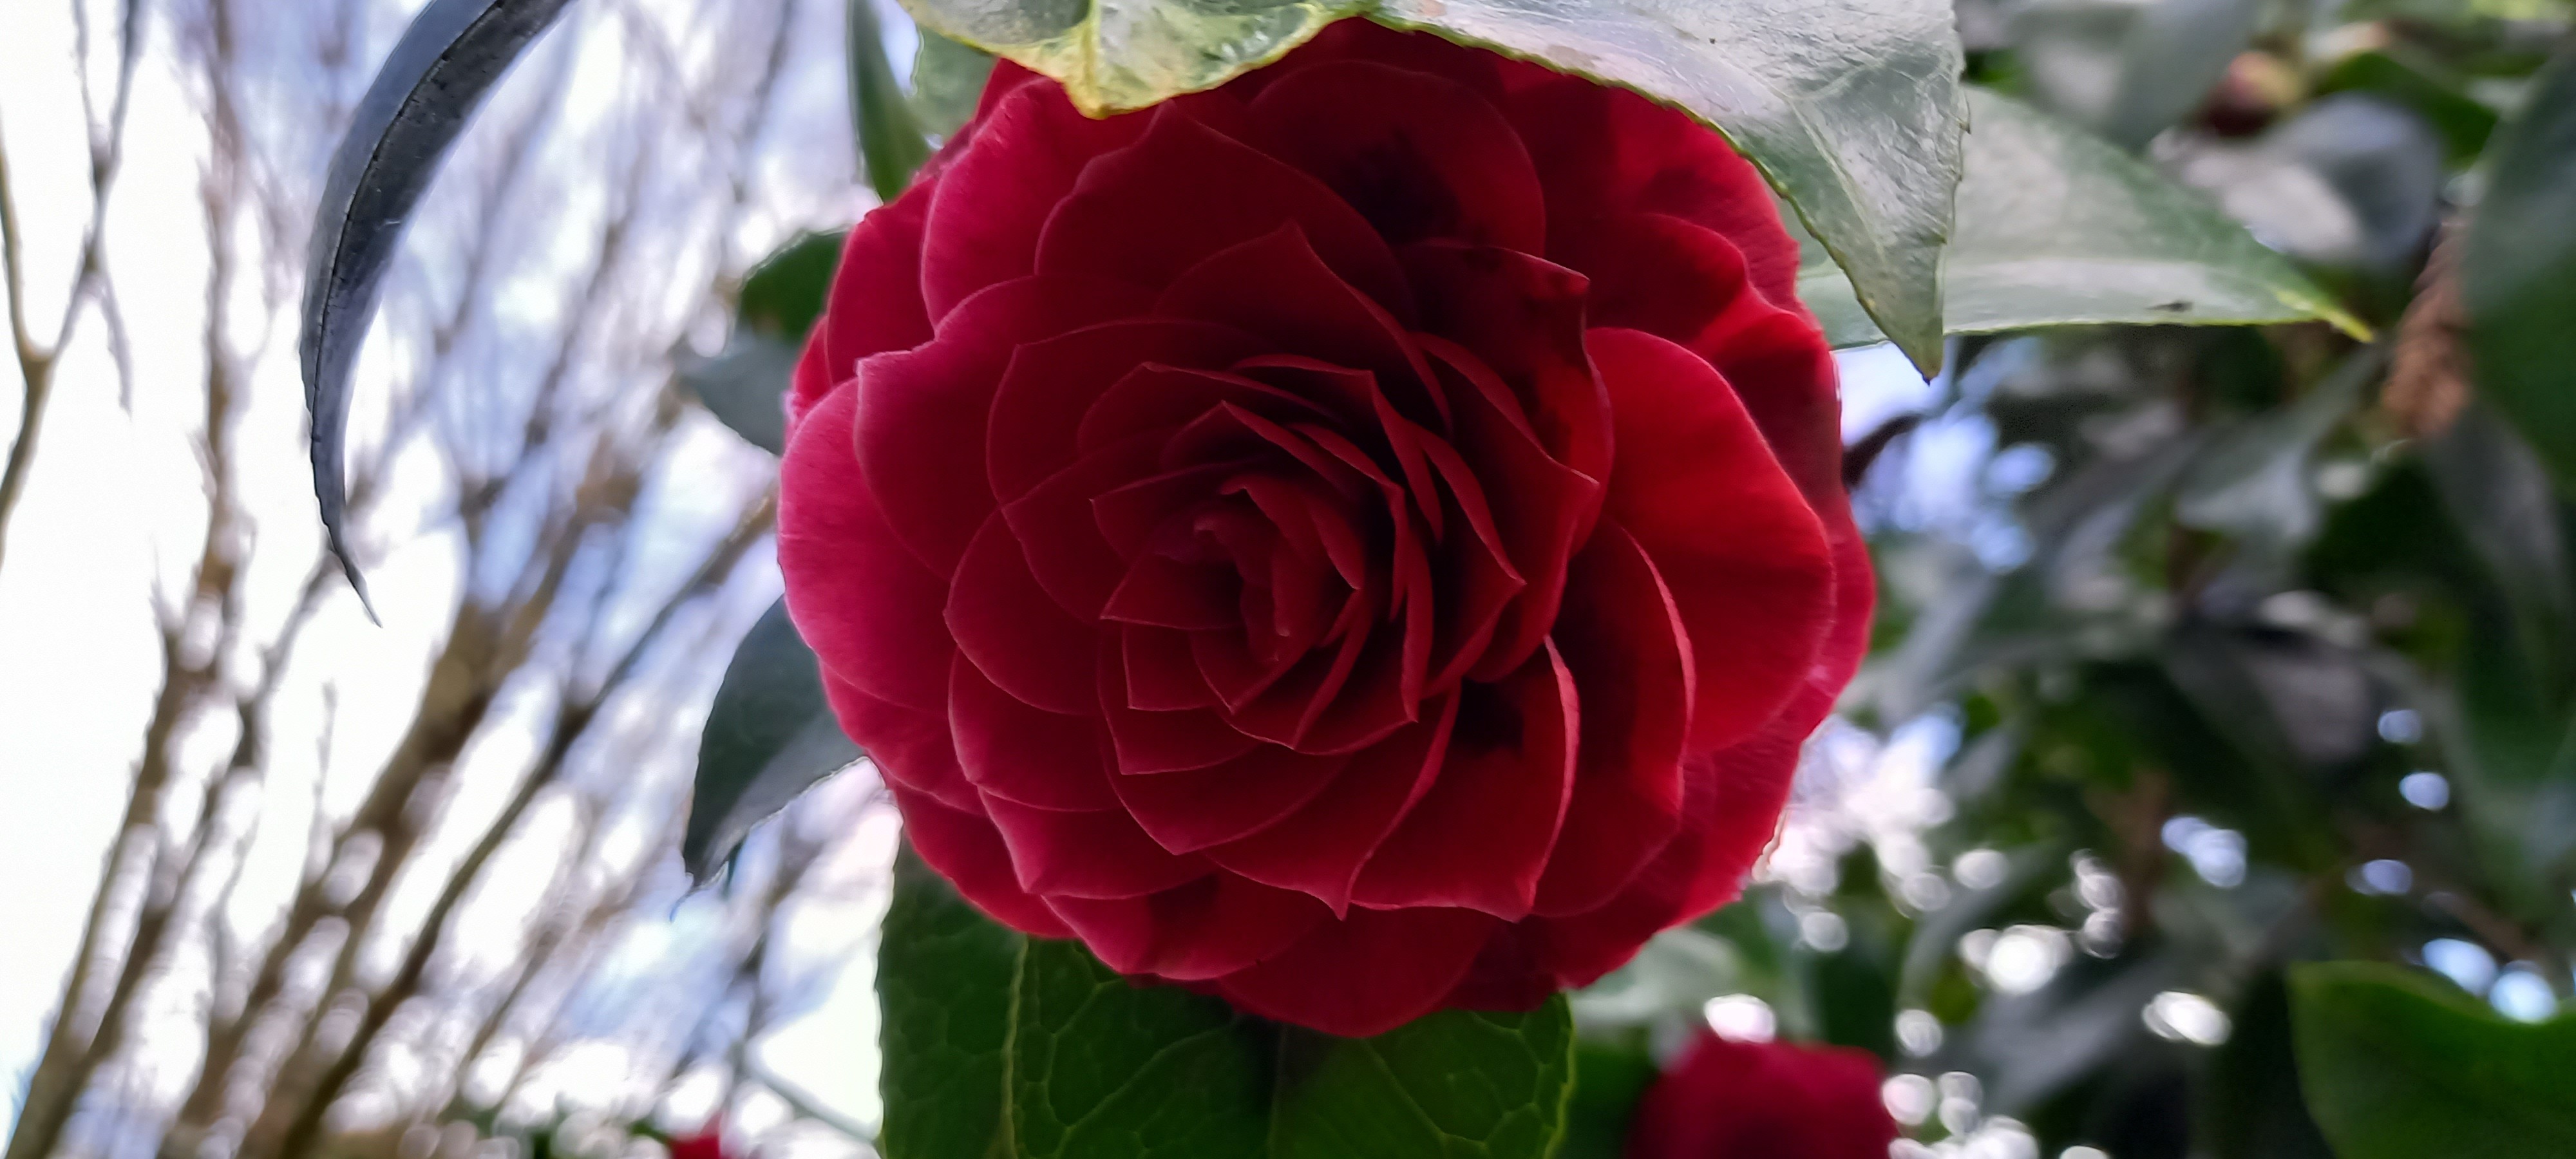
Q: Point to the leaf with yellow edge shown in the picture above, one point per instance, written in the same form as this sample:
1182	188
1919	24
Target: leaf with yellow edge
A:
1852	108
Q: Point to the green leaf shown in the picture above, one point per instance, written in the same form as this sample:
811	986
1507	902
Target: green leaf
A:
891	146
2514	748
1095	1065
2518	276
1850	107
2497	493
2250	1106
1458	1083
1103	1067
447	60
743	384
2056	227
784	294
944	979
1100	1066
2398	1067
947	80
769	736
1121	57
1608	1081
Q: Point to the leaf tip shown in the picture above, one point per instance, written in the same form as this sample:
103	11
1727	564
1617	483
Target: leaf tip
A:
357	580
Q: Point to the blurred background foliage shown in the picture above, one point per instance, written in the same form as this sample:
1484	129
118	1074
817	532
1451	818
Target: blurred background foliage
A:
2204	655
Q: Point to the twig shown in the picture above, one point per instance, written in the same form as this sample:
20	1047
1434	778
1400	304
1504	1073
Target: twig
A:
573	718
36	363
802	1102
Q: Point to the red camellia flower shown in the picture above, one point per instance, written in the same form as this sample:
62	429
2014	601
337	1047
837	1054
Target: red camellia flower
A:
1745	1100
1363	539
708	1143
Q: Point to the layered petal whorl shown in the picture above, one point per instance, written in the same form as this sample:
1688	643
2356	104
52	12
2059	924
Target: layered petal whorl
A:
1363	539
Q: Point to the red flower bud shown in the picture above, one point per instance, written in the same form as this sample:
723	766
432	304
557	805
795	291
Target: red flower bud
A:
1744	1100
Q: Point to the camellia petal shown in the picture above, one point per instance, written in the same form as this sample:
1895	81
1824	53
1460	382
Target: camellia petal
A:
1191	810
1420	155
868	609
1217	925
1480	838
1408	959
1090	854
1277	286
1523	319
884	249
1364	538
1007	626
1127	220
1724	1097
966	849
1668	277
910	749
1630	658
1028	147
1319	849
1605	151
922	411
1048	388
1743	555
1008	749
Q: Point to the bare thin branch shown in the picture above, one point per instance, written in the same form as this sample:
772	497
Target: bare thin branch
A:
37	362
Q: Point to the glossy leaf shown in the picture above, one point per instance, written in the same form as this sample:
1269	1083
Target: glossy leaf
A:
1100	1066
1459	1082
891	146
784	294
743	385
2056	227
2497	493
1093	1064
2518	276
1103	1066
1851	107
440	70
1117	58
769	737
2255	1110
2516	689
1608	1081
947	79
2396	1066
944	978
